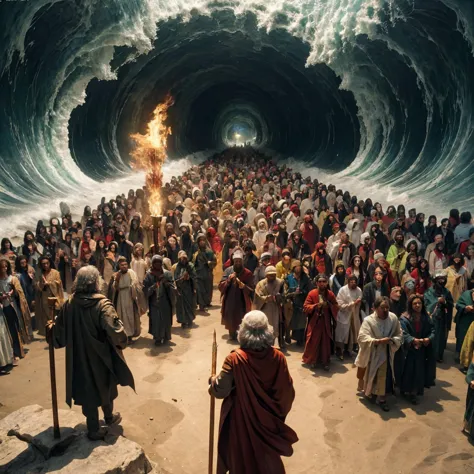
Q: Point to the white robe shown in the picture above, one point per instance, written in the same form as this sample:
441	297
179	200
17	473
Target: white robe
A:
371	356
348	313
291	222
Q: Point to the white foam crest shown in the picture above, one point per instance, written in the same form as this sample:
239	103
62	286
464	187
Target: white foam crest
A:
15	225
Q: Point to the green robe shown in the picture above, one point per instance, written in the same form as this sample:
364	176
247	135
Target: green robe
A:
299	318
442	318
419	365
469	414
463	318
204	276
186	300
161	302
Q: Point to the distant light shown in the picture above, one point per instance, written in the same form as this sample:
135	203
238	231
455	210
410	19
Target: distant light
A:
237	135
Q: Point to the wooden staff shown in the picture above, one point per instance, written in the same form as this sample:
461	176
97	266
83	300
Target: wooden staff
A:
52	368
213	406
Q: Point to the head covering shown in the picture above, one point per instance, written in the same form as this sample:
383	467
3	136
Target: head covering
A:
379	255
156	258
182	254
364	236
295	263
265	255
237	254
270	270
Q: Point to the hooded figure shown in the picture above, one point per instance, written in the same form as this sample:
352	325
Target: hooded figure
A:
260	235
160	290
290	219
354	230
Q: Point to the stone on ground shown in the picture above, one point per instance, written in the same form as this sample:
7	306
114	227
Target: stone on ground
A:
27	445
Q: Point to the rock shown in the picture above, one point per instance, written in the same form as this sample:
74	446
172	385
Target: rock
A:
119	456
33	424
31	448
12	419
16	455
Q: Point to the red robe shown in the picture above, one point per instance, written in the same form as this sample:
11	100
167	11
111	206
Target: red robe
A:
319	331
236	303
252	433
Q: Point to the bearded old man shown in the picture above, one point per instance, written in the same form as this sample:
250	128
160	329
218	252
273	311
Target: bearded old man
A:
269	298
236	287
349	300
124	292
161	291
258	394
380	337
185	281
90	329
321	308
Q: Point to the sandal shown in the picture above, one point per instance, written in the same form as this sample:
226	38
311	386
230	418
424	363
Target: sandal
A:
413	399
383	405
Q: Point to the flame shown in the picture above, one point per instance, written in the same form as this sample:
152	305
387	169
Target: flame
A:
150	153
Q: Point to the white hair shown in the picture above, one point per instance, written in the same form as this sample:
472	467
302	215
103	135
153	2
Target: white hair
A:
255	333
88	281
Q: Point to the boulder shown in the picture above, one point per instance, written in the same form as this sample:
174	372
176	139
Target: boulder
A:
117	455
15	455
27	445
35	427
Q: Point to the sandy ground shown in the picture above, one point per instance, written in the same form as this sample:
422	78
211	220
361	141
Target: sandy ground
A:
339	432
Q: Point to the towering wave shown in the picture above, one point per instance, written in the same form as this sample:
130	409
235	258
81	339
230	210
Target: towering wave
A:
374	95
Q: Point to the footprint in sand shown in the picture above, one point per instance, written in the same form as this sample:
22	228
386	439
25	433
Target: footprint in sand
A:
326	393
458	457
379	440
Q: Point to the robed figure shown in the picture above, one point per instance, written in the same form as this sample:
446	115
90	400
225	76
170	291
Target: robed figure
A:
464	317
419	365
160	290
90	329
236	287
380	337
48	284
124	292
439	304
204	262
321	308
468	427
258	394
185	281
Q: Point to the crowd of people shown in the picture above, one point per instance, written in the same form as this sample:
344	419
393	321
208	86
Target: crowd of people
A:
337	276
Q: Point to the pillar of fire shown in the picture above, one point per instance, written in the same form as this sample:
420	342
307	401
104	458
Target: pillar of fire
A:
150	155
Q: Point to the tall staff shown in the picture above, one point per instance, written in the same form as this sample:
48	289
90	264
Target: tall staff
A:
213	406
52	367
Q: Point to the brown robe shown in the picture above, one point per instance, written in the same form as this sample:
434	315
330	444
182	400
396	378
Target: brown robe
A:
252	434
236	303
319	332
26	333
89	328
54	289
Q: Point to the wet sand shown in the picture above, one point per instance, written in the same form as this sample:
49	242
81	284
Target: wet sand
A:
339	432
